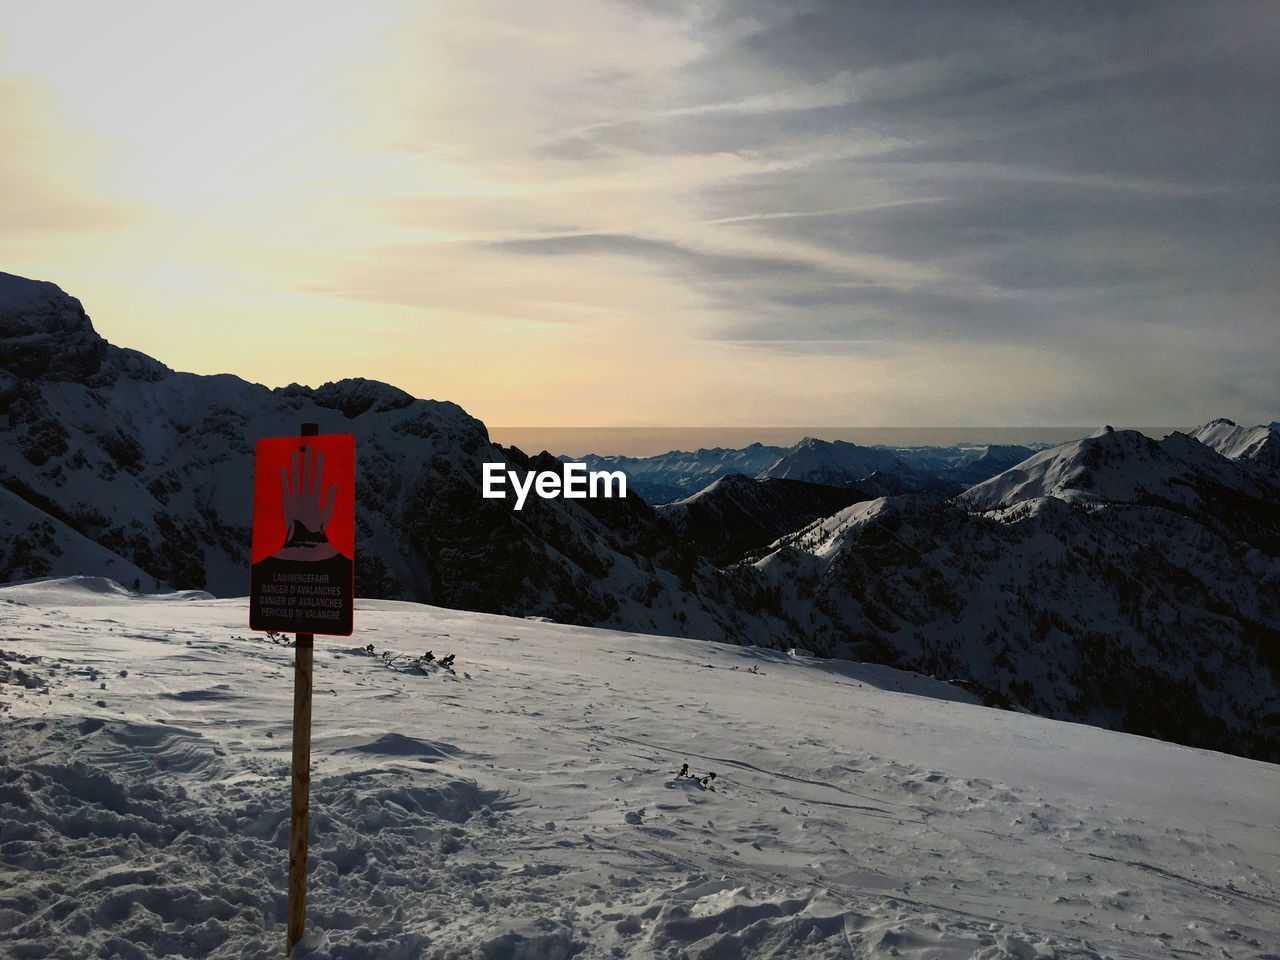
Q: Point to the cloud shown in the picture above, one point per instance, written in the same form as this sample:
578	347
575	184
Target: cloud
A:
690	263
787	196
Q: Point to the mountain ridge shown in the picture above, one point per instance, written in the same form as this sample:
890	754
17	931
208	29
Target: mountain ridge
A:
1147	600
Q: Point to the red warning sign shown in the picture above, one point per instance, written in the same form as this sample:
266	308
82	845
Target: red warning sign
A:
303	570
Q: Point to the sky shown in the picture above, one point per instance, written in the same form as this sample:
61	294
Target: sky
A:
642	212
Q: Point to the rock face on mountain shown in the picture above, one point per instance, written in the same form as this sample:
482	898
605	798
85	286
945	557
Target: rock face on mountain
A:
1116	580
737	514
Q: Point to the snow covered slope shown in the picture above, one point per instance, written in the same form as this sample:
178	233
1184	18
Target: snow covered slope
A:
1259	444
1124	467
527	807
835	463
1109	466
736	513
981	463
35	544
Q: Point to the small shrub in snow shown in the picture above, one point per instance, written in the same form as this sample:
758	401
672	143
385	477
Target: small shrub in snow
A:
426	663
706	781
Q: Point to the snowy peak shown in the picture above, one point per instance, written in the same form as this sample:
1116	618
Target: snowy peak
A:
1125	468
1260	444
834	463
1111	466
730	483
825	538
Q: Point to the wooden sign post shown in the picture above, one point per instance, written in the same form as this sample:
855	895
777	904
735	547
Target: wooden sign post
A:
300	798
300	792
303	582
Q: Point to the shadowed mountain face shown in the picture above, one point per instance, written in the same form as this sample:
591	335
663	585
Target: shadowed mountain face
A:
1117	580
1133	616
737	514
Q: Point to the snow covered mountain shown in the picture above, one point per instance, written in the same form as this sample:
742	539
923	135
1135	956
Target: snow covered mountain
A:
879	470
975	464
1117	580
1260	445
835	463
1118	467
528	807
1121	580
736	514
1132	617
679	473
115	464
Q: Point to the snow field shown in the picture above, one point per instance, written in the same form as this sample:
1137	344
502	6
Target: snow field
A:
526	806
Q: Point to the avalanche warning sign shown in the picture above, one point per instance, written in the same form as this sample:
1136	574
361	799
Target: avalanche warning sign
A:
302	578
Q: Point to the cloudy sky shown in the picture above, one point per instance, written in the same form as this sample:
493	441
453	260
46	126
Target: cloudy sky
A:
596	212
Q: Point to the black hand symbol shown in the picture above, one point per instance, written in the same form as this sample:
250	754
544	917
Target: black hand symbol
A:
305	514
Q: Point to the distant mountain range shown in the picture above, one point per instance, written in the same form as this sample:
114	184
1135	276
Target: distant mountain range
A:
671	476
1117	579
879	471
